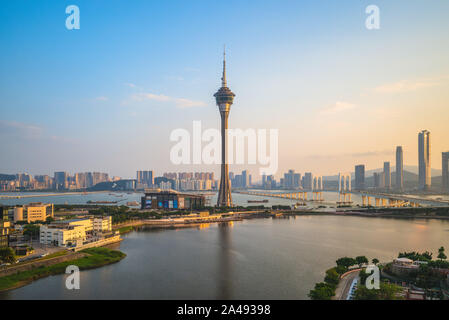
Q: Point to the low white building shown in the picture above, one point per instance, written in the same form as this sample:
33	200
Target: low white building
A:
75	231
62	234
103	224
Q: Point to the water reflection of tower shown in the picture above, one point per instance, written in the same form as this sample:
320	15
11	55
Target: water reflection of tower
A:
224	262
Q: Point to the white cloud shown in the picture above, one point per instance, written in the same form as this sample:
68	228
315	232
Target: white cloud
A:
410	85
338	107
179	102
101	98
20	129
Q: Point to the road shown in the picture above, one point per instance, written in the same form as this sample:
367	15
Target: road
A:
345	284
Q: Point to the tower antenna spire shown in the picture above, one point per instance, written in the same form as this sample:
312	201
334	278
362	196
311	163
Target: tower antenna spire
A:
223	79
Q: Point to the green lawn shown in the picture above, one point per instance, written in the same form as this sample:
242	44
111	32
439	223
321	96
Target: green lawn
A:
97	257
124	230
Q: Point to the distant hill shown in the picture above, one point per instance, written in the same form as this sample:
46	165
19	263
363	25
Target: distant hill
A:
410	169
415	170
410	178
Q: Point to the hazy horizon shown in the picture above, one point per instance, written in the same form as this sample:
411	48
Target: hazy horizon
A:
106	97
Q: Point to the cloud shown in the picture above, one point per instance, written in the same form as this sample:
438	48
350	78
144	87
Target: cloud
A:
131	85
101	98
20	129
410	85
338	107
179	102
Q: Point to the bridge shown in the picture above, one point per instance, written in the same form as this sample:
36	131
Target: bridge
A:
295	195
397	200
368	198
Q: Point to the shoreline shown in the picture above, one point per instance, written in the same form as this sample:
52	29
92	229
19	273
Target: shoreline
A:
93	258
130	228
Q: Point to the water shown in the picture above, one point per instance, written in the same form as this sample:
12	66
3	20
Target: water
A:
251	259
122	198
74	198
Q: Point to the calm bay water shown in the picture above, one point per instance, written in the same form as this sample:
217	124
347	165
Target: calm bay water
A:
123	197
252	259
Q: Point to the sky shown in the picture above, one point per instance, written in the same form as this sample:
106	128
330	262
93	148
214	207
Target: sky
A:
107	96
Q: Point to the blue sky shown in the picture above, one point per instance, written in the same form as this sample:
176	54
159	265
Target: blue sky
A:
339	94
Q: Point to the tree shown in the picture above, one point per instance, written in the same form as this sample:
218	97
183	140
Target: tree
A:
387	291
416	256
346	262
340	269
322	291
361	260
375	261
31	230
441	254
49	220
7	255
332	277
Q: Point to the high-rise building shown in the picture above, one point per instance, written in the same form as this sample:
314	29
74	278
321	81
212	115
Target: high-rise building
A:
307	181
224	98
271	182
146	177
360	177
424	160
399	168
245	179
387	175
379	180
61	180
291	180
445	170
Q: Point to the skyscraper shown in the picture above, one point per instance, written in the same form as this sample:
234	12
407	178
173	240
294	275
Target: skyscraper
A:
399	168
445	167
379	180
224	98
387	174
288	179
424	160
307	182
360	177
245	179
61	180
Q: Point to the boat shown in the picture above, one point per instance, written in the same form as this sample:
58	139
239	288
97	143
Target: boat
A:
258	201
101	202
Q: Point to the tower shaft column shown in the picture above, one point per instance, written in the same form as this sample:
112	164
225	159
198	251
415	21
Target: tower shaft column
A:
224	195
